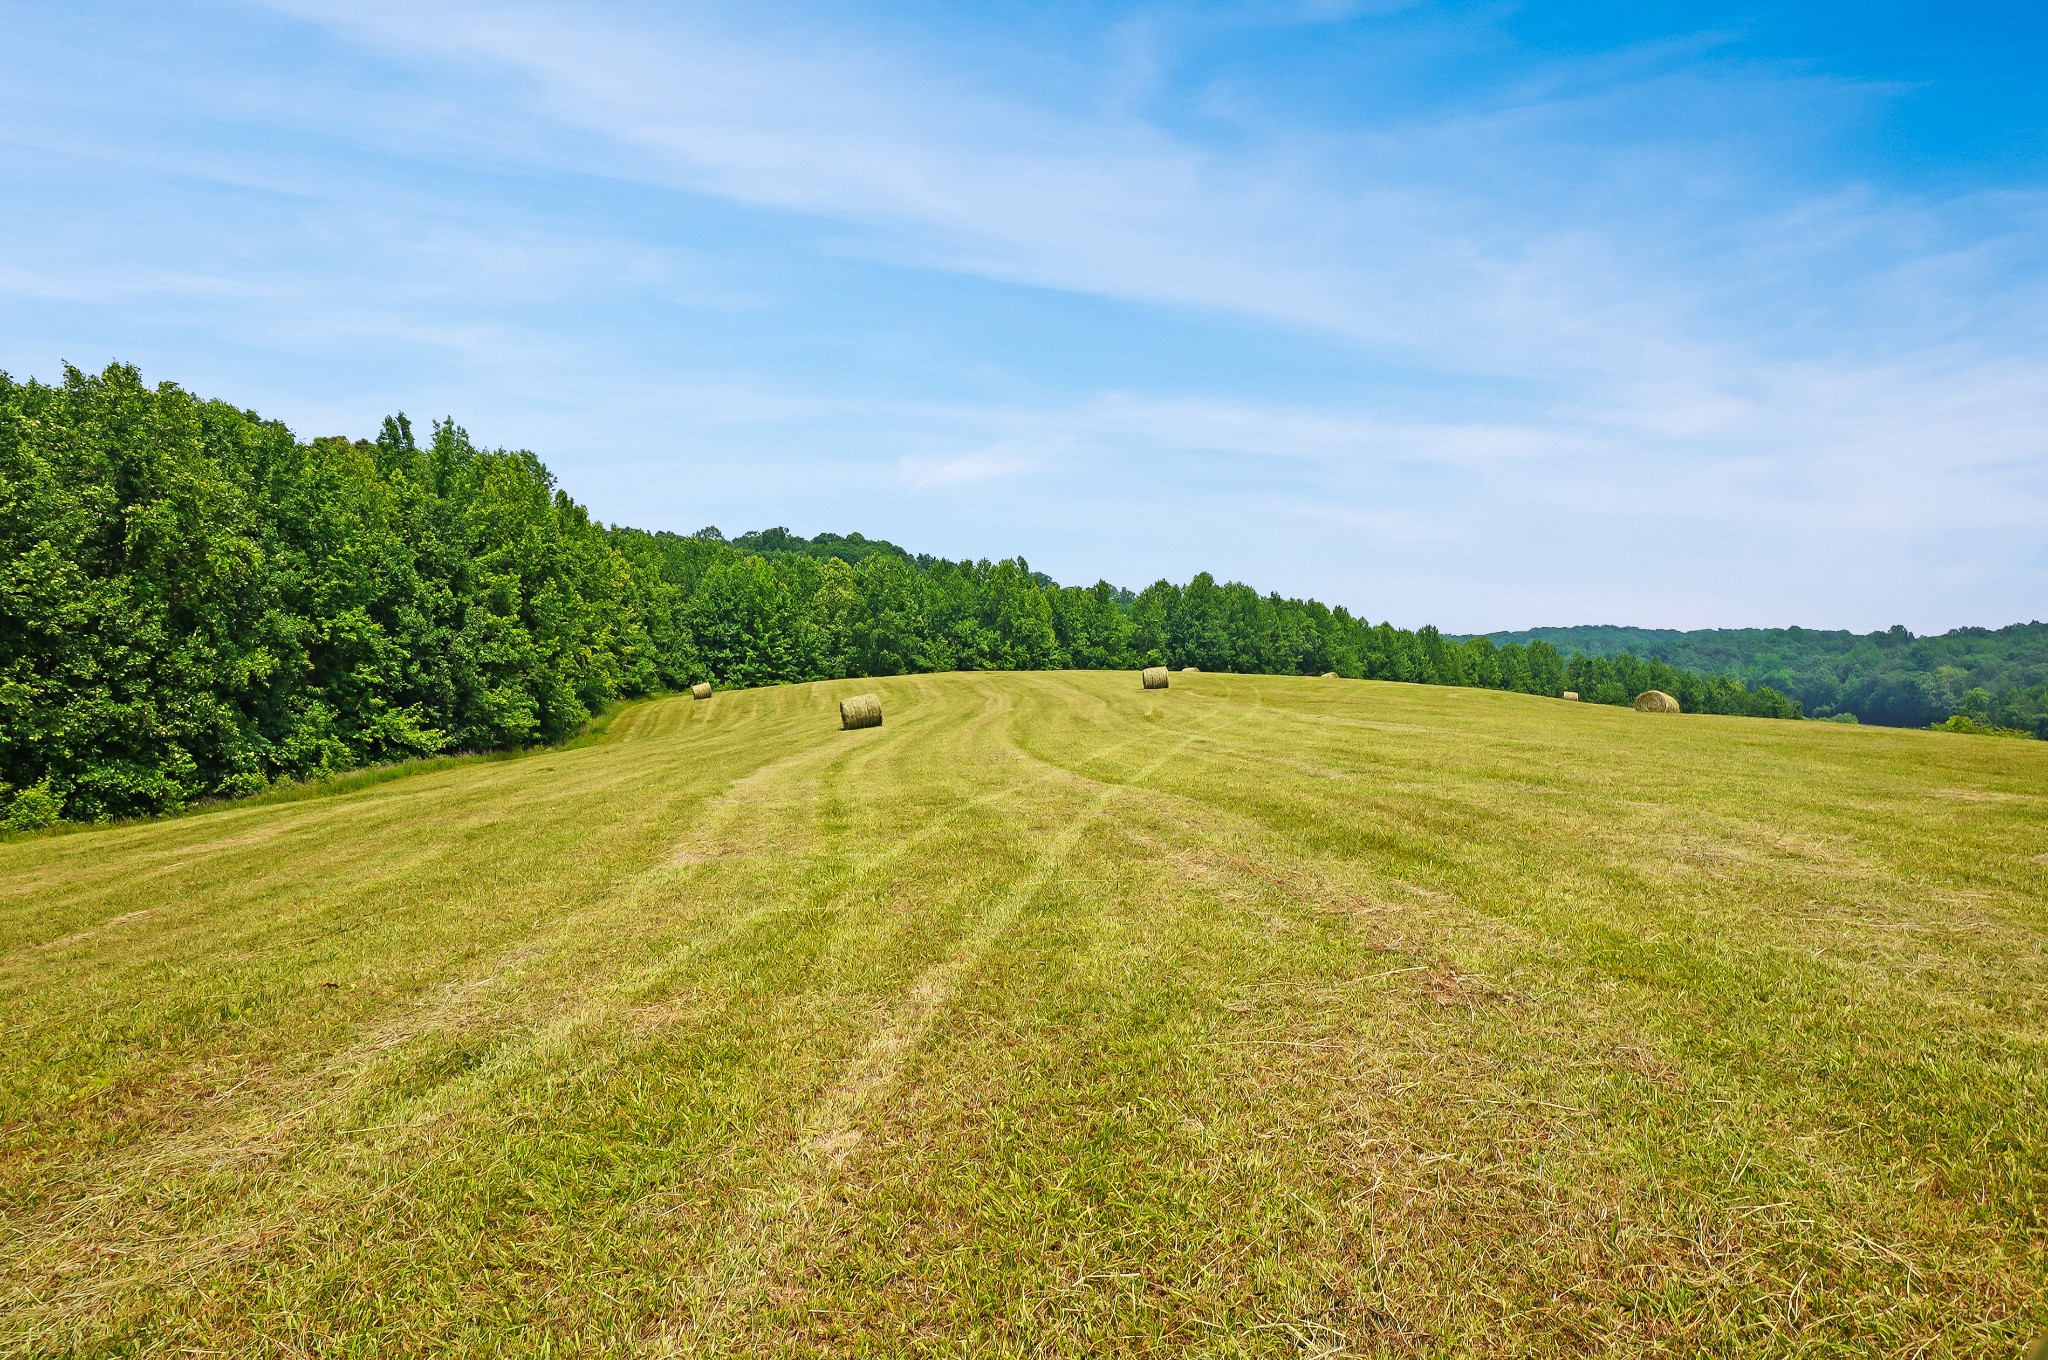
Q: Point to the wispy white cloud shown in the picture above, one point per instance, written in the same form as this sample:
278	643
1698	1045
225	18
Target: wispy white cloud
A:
1339	236
1487	243
966	469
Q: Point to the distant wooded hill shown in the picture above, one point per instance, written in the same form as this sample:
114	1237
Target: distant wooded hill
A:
1997	676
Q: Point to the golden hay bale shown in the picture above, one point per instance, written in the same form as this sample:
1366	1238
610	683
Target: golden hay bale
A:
862	710
701	690
1190	670
1329	675
1572	695
1655	701
1153	677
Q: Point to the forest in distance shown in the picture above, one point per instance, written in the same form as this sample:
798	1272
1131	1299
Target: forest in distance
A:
1991	676
196	604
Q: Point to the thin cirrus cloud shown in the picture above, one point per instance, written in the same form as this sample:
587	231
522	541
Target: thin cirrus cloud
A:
961	179
1345	234
1392	306
966	469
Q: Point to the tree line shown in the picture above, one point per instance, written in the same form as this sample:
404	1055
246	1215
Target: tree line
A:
1987	677
195	604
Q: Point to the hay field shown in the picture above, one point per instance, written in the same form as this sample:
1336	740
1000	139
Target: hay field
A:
1251	1017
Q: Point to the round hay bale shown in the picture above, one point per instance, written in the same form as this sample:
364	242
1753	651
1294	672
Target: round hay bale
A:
1655	701
1572	695
1329	675
1153	677
701	690
862	710
1190	670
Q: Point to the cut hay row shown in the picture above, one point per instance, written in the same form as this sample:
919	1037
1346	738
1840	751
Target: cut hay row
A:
865	710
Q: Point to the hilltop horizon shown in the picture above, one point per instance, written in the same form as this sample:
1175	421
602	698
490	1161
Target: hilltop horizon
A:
766	539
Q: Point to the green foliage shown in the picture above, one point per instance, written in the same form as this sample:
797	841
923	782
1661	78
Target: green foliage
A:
849	548
1998	677
1974	727
31	809
194	604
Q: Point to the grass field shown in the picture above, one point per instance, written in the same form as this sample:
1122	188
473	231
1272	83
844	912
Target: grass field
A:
1258	1016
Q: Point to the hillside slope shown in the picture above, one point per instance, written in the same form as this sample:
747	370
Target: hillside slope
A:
1258	1016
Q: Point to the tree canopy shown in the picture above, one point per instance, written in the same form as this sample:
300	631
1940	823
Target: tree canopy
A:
1994	677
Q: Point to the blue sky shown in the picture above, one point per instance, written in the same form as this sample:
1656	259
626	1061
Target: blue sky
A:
1483	315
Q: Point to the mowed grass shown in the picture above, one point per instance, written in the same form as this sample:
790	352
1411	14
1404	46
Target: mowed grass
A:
1255	1017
